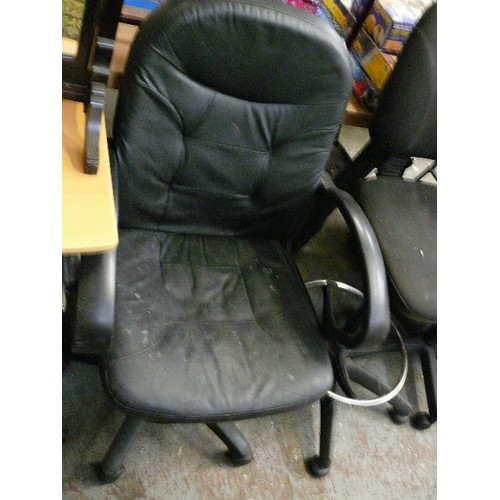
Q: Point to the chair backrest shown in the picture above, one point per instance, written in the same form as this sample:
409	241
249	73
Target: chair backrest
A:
226	117
405	121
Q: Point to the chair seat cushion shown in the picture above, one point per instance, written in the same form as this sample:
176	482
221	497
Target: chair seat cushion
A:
404	217
212	328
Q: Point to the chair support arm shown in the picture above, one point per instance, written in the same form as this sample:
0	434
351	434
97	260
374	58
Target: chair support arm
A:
95	304
374	324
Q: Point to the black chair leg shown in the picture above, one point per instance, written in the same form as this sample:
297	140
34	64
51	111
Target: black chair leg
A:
423	420
401	408
319	465
111	468
239	451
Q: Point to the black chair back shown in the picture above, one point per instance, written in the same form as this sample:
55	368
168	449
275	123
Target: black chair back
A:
404	123
228	130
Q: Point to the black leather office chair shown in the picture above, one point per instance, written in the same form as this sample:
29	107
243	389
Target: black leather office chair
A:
226	117
403	212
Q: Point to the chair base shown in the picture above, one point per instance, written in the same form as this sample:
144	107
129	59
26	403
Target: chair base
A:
421	420
239	451
401	409
237	460
318	467
105	477
111	468
397	416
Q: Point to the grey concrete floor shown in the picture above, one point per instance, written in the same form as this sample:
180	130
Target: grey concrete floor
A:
372	457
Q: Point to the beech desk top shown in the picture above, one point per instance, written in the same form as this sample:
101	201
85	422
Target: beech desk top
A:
88	211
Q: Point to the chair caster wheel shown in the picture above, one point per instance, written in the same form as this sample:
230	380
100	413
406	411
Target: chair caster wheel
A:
316	468
397	417
239	460
421	420
107	477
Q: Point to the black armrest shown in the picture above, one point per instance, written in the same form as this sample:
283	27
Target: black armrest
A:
373	327
95	300
95	304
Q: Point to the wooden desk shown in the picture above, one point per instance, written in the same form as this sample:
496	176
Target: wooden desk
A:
88	211
356	115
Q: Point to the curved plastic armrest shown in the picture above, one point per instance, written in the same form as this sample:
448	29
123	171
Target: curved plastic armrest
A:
95	304
375	321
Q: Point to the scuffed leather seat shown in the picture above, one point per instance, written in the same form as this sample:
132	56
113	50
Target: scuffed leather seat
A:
204	325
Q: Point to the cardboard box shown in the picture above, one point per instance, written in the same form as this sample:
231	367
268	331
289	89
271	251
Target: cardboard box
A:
375	63
340	15
390	22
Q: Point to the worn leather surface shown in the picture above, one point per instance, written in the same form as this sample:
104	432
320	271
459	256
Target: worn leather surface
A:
226	117
223	128
403	214
211	327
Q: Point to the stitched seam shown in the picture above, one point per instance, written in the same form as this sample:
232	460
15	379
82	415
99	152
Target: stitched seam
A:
165	100
177	187
228	146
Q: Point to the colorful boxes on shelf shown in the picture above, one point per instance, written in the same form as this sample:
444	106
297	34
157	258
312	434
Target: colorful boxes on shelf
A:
390	22
375	63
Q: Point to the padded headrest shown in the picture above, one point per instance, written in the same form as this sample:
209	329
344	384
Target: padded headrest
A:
405	121
226	117
211	42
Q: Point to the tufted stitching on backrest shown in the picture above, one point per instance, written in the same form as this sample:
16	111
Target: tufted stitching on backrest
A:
194	159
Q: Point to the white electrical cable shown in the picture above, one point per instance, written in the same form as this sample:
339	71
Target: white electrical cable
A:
395	390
